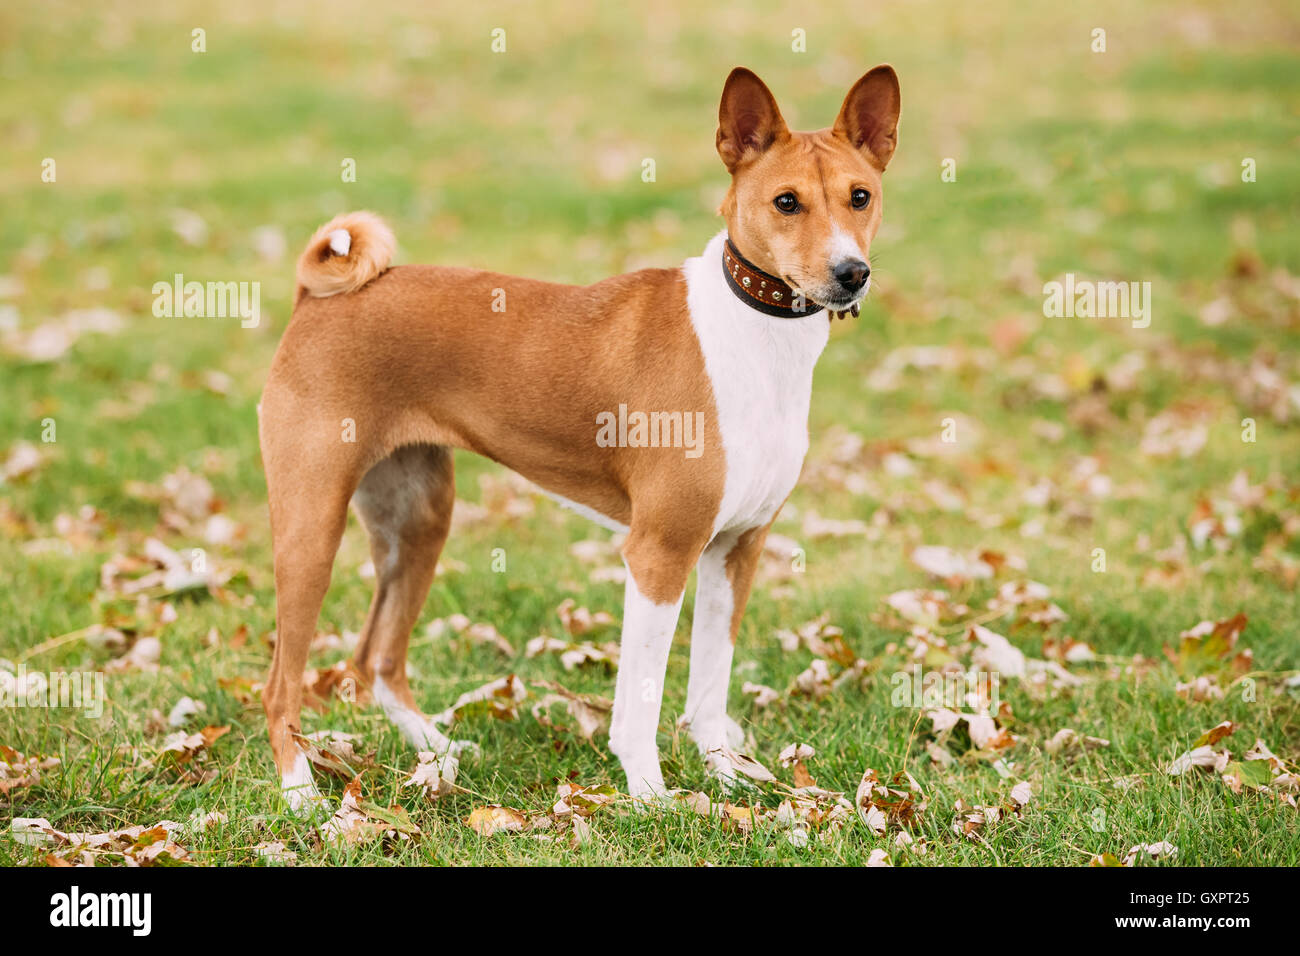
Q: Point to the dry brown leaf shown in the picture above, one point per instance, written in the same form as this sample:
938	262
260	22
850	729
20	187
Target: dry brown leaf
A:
591	713
579	620
334	752
899	803
485	821
435	774
500	698
359	822
132	846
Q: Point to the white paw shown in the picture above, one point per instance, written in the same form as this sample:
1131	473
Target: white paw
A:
304	801
733	733
431	738
645	785
421	732
717	733
720	767
735	770
299	789
651	799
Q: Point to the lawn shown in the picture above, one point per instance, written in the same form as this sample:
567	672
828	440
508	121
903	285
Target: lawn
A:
1142	474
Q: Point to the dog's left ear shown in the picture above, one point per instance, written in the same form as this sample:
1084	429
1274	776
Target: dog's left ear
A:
869	116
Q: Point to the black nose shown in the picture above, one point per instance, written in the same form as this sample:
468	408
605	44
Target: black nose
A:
852	274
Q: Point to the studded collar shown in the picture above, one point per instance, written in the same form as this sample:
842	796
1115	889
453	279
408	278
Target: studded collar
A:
762	291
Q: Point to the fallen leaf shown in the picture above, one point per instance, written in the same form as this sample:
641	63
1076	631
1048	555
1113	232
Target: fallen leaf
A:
485	821
579	620
591	713
358	821
435	774
763	695
949	565
500	698
899	803
1153	851
334	752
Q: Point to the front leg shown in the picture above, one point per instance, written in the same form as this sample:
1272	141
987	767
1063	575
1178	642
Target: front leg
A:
726	574
656	580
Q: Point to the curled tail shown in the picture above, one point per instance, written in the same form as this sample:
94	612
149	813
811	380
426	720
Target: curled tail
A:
345	254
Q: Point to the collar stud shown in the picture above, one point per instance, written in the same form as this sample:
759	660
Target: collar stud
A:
741	277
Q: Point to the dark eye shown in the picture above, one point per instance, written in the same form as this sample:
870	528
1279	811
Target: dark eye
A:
860	198
786	202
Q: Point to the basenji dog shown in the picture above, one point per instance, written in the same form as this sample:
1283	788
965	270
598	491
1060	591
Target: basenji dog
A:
585	391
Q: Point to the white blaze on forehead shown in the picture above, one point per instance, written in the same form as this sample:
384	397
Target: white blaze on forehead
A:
843	246
340	242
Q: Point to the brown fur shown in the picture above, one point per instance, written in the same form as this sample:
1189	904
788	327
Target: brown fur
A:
415	361
416	358
741	566
322	273
821	168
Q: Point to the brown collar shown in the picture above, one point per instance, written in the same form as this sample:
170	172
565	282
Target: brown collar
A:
761	291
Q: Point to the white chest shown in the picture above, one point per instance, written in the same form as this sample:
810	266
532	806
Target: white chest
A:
760	368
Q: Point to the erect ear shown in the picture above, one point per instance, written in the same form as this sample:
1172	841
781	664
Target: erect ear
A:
748	119
869	116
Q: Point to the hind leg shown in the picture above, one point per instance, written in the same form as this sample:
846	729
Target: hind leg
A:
405	502
306	529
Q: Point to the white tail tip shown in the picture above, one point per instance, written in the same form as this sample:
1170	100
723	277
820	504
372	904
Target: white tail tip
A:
340	242
345	254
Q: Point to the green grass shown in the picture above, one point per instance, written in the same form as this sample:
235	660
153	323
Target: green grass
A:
1122	165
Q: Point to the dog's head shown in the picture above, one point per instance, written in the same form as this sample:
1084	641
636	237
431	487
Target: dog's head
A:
805	206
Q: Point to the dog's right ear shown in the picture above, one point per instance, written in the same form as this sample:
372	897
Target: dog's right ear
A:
748	119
